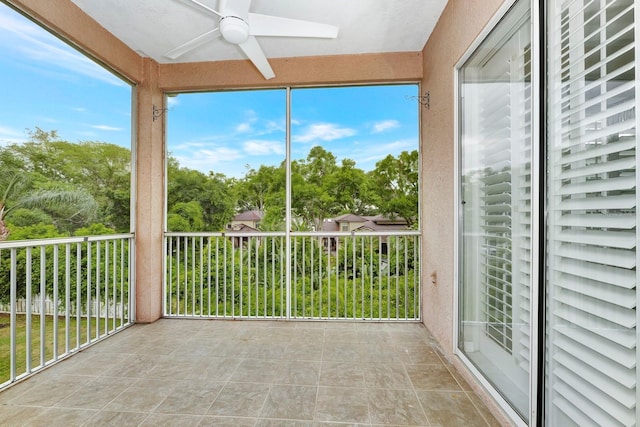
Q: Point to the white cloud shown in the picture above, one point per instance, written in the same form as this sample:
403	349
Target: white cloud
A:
206	159
106	128
244	127
324	132
247	125
263	148
384	125
79	109
32	43
370	154
172	101
9	135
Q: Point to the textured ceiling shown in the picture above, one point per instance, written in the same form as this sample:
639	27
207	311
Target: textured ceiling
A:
154	27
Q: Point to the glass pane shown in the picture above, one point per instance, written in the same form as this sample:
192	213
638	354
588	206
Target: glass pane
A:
592	292
354	183
496	207
226	161
226	186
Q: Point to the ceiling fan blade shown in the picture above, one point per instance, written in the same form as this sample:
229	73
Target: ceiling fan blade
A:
267	25
254	52
201	40
239	8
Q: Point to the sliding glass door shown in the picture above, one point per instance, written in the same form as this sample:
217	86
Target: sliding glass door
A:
495	257
589	257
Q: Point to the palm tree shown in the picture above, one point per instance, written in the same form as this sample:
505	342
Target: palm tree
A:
71	206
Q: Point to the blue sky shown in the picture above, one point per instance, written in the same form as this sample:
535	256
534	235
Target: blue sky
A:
49	85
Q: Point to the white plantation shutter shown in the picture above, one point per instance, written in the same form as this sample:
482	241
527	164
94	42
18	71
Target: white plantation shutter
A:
592	234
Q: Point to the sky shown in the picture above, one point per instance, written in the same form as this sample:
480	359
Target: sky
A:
49	85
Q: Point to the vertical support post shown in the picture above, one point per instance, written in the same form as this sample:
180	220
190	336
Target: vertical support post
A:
288	205
149	148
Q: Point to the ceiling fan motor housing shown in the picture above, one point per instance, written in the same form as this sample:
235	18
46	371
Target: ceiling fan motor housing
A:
234	29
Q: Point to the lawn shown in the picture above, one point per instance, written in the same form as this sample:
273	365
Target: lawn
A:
21	338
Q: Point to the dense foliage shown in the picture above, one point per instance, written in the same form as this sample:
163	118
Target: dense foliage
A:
51	188
54	188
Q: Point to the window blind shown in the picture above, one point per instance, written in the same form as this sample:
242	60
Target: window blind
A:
592	223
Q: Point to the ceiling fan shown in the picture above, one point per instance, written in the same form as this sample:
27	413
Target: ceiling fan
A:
240	27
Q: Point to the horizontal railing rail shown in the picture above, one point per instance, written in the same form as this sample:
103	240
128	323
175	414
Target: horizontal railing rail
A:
60	295
337	275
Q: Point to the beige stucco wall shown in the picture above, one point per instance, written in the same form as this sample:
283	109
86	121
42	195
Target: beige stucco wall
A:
458	27
303	71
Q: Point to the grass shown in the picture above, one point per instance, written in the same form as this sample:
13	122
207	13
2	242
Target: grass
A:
36	349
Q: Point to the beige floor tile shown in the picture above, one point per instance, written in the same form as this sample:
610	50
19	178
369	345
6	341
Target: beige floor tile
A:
195	398
284	423
342	405
399	407
209	421
432	377
451	409
300	349
52	391
341	352
61	417
173	420
19	415
96	394
221	368
386	375
299	372
290	402
343	374
482	408
138	399
240	399
116	419
257	371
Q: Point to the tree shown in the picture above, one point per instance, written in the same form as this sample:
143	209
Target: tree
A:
101	169
212	192
312	199
68	207
351	189
185	216
396	181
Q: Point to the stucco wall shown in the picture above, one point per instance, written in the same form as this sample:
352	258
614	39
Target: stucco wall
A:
458	27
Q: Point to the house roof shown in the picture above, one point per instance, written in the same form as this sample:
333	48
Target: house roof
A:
374	226
350	218
244	228
254	215
373	223
152	28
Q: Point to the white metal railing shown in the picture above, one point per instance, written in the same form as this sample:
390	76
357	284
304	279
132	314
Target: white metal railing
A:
59	295
339	275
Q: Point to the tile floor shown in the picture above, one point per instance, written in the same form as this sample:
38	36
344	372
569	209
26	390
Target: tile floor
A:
250	373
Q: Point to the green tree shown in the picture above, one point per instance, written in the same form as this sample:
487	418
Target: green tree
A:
396	181
101	169
68	207
185	216
312	198
351	189
212	192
